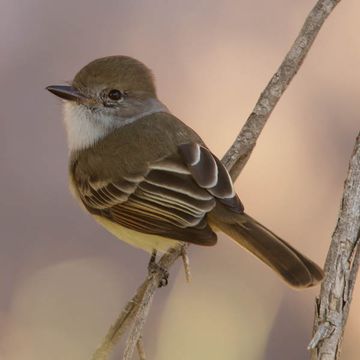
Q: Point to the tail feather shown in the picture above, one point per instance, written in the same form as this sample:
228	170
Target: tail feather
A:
296	269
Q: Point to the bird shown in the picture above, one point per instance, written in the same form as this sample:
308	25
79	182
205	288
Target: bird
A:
150	179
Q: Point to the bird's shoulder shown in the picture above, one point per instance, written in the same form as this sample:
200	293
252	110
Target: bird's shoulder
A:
129	150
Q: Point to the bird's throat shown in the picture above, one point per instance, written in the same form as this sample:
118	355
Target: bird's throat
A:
85	127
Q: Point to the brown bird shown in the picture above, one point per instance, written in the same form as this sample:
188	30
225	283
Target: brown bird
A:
149	179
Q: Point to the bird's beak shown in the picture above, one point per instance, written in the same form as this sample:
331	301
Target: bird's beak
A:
67	92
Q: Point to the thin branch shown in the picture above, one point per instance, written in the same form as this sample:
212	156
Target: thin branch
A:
341	267
186	263
235	159
121	325
133	307
140	348
238	154
139	319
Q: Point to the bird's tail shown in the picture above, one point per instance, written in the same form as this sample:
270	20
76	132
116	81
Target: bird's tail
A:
296	269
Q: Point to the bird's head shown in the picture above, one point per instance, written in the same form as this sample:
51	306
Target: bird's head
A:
106	94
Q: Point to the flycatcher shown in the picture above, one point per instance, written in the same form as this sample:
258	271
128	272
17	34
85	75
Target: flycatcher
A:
149	179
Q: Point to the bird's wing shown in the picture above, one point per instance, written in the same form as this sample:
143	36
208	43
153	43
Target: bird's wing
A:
171	199
210	174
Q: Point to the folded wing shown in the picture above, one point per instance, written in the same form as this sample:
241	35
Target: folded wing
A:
171	199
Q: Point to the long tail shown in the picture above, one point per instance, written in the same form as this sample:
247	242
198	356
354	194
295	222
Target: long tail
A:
296	269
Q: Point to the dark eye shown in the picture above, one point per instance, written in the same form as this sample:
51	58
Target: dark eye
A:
115	94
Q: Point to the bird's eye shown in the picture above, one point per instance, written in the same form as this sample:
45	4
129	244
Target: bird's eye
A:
115	94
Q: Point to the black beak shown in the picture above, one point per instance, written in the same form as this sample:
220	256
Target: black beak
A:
66	92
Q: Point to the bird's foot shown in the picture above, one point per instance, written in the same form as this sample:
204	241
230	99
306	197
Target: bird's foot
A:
154	267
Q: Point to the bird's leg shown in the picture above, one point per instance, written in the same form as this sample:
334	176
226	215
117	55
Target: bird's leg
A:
154	267
186	263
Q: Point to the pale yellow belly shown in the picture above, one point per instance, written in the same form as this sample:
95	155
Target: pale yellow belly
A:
146	242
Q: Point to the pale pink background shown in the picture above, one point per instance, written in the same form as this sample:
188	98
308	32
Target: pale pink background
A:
64	279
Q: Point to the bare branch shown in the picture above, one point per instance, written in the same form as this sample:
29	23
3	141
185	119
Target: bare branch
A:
121	325
186	263
138	306
238	154
140	317
341	267
235	159
140	349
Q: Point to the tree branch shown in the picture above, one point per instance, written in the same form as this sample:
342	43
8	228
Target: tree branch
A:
235	159
135	311
240	151
341	267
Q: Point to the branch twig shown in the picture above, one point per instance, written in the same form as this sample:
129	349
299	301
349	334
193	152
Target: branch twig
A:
341	267
121	325
235	159
140	349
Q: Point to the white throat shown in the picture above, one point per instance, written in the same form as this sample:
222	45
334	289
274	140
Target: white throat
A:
84	127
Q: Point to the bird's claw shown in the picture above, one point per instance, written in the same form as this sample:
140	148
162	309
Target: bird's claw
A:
154	267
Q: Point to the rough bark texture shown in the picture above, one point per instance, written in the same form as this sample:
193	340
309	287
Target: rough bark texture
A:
341	267
135	312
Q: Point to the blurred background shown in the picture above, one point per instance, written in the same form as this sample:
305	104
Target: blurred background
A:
64	279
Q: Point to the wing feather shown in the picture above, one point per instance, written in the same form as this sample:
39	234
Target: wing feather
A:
208	172
171	199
